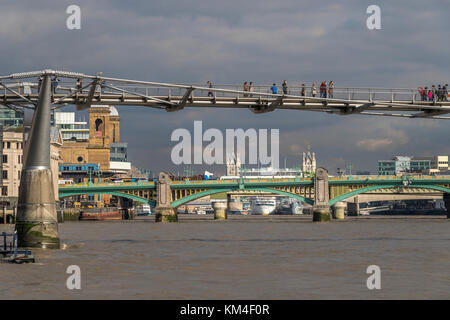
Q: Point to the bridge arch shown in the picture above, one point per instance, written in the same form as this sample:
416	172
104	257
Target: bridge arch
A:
112	193
202	194
390	186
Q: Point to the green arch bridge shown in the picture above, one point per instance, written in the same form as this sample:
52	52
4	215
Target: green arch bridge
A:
318	192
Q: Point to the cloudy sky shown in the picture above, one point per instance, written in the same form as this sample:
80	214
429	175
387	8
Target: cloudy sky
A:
192	41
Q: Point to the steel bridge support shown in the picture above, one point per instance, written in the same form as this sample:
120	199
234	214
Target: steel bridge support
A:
37	224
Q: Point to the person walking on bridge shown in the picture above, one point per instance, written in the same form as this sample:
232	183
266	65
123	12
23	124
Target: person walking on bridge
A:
430	95
446	92
79	85
210	93
303	91
285	90
313	90
245	88
54	84
39	83
323	90
330	89
274	89
251	88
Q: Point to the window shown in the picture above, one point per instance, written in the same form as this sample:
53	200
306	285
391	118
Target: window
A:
5	158
4	191
18	174
5	174
8	145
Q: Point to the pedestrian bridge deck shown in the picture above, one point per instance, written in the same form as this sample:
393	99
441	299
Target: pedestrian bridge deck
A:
19	90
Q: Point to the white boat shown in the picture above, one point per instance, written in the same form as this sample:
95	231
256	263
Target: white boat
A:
263	205
143	210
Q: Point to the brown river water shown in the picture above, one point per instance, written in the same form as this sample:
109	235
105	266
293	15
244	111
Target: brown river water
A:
282	257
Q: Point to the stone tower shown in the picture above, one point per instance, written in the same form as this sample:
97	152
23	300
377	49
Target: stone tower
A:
309	161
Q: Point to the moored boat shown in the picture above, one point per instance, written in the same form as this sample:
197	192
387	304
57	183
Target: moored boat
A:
96	214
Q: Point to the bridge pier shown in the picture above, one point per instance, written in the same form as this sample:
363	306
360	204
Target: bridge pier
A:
163	211
220	210
321	209
353	207
447	203
339	210
37	222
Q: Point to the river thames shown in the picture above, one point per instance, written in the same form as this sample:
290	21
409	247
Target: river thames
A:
283	257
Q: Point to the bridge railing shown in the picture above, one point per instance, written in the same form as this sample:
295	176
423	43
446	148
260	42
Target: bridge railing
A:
344	93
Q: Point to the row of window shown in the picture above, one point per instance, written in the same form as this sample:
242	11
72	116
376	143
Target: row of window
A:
9	144
19	158
5	174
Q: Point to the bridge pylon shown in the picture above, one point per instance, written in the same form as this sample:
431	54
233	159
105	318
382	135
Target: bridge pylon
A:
37	223
163	211
321	208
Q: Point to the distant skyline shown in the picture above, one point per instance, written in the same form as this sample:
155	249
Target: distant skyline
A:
235	41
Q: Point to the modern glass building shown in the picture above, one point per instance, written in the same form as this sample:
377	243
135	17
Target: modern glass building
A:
118	151
402	164
10	118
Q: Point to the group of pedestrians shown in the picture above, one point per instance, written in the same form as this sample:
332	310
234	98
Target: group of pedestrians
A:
434	94
248	87
54	82
325	90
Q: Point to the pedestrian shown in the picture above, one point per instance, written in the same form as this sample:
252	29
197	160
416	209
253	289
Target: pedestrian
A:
39	83
303	92
330	89
274	89
446	92
313	90
285	87
423	93
102	86
54	84
433	93
430	95
245	88
251	88
79	85
210	93
323	90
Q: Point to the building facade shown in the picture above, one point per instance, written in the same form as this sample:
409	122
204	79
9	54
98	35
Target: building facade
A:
13	159
99	144
404	164
71	129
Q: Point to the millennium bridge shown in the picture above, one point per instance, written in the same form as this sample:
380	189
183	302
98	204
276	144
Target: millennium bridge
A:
36	222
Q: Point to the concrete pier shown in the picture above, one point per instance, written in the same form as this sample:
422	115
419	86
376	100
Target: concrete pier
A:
37	222
353	207
220	210
339	210
163	211
321	209
447	203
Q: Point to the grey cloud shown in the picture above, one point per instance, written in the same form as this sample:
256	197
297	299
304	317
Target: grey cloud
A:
231	41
